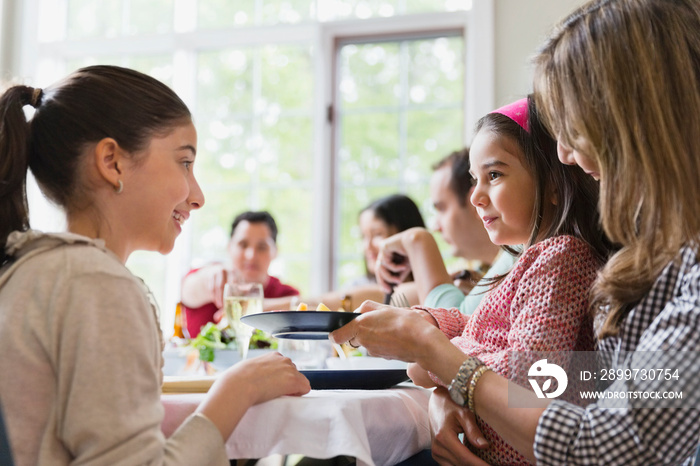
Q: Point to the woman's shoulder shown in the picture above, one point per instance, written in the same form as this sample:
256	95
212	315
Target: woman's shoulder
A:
666	316
687	268
689	259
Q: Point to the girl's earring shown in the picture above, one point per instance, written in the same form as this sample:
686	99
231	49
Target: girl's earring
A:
119	188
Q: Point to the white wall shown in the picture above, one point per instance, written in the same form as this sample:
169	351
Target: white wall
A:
520	28
6	30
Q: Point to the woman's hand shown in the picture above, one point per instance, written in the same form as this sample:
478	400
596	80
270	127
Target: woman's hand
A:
421	256
393	264
392	333
447	421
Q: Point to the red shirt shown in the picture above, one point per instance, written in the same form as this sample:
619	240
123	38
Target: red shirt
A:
195	318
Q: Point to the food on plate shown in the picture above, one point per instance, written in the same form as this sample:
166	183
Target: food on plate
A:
211	338
262	340
348	351
305	307
207	341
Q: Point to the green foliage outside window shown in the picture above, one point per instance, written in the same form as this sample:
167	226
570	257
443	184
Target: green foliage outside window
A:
401	111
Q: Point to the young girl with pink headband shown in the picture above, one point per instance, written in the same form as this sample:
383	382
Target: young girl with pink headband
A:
525	198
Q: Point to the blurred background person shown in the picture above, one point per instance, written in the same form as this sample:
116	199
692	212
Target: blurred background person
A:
459	224
380	219
251	248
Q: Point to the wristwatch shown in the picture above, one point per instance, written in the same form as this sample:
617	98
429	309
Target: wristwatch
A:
458	386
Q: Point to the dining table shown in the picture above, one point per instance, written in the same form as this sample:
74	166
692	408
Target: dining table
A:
376	427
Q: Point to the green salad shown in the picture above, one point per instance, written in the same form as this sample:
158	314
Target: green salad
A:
211	338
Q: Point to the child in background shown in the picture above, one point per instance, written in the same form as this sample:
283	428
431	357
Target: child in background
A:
524	196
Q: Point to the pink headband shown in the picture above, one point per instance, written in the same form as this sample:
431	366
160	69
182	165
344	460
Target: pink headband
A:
516	111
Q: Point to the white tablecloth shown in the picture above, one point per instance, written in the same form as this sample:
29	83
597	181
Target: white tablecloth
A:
377	427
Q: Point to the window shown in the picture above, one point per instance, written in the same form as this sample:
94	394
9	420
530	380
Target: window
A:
400	107
306	108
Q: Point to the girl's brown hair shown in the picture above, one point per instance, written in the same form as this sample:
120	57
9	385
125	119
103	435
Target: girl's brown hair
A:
575	212
620	81
91	104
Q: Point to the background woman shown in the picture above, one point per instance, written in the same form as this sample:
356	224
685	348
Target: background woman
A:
379	220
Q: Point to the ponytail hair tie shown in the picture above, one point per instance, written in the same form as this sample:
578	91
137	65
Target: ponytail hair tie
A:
35	101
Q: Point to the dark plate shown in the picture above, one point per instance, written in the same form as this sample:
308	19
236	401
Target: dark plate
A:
355	379
299	325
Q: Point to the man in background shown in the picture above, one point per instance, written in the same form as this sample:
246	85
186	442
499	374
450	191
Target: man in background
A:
251	248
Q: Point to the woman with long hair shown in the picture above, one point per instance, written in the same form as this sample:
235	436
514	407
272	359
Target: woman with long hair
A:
618	83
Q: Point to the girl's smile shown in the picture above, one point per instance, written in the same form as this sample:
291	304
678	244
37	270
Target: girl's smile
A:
180	218
504	195
488	221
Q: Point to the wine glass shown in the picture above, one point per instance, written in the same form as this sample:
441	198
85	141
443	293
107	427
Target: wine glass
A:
241	299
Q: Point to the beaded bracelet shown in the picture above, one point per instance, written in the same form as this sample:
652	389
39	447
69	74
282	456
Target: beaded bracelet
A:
472	385
460	384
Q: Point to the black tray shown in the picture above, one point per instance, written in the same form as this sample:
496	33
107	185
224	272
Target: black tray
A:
299	325
355	379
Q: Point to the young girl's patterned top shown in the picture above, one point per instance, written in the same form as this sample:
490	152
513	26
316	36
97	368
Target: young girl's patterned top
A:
542	305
